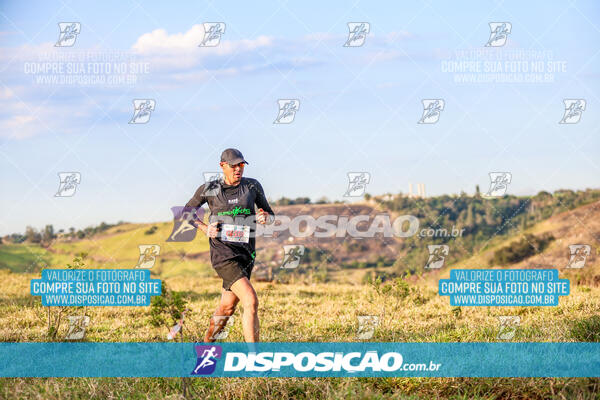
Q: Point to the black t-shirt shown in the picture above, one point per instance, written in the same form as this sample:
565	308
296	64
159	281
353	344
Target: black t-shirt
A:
232	205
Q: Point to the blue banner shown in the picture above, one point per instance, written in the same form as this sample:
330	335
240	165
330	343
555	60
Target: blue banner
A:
95	287
283	359
504	287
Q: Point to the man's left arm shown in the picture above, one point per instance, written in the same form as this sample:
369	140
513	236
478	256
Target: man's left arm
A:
263	204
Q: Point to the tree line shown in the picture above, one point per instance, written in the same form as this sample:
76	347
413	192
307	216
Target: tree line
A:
47	234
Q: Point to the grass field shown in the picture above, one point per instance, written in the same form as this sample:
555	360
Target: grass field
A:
115	248
304	312
320	312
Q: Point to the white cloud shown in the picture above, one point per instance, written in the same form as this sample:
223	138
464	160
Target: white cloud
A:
175	61
178	52
161	42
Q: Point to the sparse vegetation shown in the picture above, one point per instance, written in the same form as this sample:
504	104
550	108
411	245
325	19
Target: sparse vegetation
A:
284	201
315	312
521	249
483	220
56	315
151	230
311	306
586	329
166	309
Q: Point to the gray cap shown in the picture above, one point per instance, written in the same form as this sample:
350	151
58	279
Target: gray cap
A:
232	157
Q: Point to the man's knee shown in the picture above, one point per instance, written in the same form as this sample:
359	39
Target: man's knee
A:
226	310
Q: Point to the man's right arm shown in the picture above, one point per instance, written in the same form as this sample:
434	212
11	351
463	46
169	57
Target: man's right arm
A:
197	200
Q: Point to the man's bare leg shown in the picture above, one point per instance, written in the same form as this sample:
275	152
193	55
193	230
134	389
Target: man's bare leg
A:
246	294
226	308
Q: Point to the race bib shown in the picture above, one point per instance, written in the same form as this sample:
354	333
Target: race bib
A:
235	233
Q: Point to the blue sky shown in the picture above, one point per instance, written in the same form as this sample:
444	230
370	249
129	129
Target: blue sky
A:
359	106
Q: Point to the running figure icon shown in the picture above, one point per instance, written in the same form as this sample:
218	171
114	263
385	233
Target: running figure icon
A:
207	359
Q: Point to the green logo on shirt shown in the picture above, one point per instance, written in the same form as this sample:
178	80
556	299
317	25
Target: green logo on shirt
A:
237	210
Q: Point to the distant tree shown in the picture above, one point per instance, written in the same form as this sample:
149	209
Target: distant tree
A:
517	251
17	238
48	233
477	192
302	200
284	201
489	217
32	235
470	222
543	194
322	200
523	224
367	196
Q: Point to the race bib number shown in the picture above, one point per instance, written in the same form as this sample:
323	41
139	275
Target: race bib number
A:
235	233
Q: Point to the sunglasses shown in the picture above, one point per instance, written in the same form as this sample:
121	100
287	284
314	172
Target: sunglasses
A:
232	166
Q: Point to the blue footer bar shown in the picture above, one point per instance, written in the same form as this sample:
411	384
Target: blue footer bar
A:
287	359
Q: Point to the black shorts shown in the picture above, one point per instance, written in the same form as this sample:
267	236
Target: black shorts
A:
232	270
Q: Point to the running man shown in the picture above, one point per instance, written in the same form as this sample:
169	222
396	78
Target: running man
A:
231	229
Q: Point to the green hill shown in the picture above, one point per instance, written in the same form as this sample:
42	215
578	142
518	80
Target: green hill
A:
486	225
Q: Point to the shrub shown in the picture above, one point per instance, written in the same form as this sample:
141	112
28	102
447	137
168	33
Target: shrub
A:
169	304
522	249
586	329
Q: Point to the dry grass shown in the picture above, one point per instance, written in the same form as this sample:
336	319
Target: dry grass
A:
320	312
